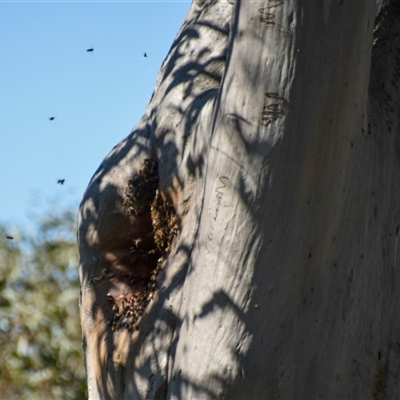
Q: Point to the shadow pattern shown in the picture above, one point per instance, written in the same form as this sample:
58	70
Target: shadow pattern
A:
132	360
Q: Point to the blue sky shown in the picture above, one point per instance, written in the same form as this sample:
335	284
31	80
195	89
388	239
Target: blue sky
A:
96	98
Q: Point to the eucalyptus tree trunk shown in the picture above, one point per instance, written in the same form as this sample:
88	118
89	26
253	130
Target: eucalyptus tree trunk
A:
243	241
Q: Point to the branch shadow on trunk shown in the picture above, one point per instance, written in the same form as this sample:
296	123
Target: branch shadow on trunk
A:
126	362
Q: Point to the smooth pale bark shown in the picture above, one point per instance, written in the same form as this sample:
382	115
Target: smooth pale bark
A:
281	156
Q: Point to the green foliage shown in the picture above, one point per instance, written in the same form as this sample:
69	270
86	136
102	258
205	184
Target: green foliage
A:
40	333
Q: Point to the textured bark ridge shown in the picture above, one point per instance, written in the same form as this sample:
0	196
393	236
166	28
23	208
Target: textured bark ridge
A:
124	228
243	241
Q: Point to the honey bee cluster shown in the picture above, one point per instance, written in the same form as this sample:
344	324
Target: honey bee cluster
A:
140	191
142	195
165	223
127	310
